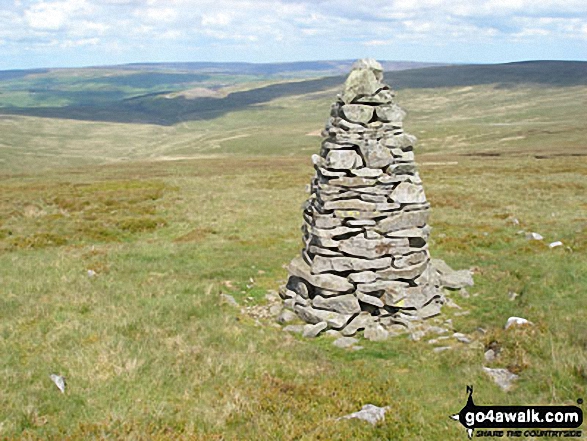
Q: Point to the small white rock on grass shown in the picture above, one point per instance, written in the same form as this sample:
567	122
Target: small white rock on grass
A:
534	236
517	321
369	412
227	298
59	382
502	377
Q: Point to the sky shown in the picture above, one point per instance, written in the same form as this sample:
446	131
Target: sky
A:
75	33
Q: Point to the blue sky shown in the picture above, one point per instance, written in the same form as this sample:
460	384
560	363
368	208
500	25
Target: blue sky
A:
71	33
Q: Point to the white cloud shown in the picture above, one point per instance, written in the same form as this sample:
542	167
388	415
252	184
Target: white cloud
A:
160	15
78	43
216	19
171	35
53	16
377	43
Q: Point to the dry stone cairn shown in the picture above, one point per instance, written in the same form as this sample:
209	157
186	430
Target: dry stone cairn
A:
365	264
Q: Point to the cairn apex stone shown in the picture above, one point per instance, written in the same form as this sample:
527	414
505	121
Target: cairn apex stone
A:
365	262
371	64
364	80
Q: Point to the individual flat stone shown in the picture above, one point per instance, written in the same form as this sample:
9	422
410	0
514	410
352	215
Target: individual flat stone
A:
502	377
325	293
402	156
418	296
360	82
423	232
298	286
410	259
324	251
428	277
381	285
369	413
350	204
403	220
383	96
298	267
286	293
341	264
349	182
360	222
386	206
348	126
406	193
377	198
441	266
457	279
329	174
430	310
330	145
311	331
333	232
326	222
449	278
363	277
313	315
376	155
380	190
358	214
390	179
286	316
371	249
357	113
400	141
394	295
370	64
388	129
324	242
343	304
376	333
517	321
299	300
401	169
372	300
228	299
390	113
490	355
367	172
343	159
358	323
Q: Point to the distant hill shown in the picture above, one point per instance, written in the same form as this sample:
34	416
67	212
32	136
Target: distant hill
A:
295	69
140	93
552	73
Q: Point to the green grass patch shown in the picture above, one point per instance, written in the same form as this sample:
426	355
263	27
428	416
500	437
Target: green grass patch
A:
151	352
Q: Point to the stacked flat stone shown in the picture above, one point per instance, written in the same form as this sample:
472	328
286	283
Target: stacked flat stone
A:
365	260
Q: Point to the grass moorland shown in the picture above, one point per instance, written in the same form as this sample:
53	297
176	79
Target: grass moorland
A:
171	216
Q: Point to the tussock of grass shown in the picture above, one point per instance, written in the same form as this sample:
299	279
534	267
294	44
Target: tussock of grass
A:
68	213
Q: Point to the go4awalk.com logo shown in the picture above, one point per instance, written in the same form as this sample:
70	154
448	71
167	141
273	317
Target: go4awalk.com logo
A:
520	421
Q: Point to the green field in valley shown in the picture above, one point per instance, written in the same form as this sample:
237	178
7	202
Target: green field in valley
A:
170	215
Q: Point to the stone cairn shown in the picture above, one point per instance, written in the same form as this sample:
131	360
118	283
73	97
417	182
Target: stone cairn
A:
365	263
